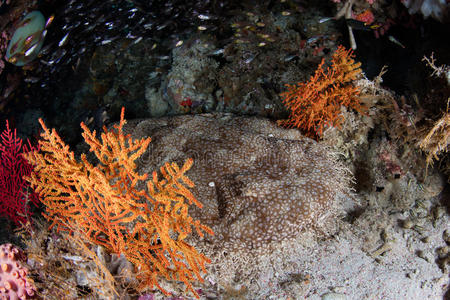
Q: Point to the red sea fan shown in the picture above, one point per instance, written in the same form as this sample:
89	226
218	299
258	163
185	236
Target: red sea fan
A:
15	193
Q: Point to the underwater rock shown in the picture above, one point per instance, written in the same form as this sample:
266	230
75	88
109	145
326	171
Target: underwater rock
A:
192	77
258	183
155	103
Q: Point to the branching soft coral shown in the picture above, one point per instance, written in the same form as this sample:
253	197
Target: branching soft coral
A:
316	104
436	141
15	195
108	204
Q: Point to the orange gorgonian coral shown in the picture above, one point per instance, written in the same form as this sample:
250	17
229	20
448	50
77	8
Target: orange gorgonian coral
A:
111	206
316	104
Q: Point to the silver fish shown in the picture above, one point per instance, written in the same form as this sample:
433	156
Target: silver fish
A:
77	64
313	39
63	41
29	51
218	51
148	26
163	57
91	27
250	59
323	20
162	26
138	40
57	56
47	63
395	41
204	17
44	33
130	36
46	49
31	79
290	57
110	25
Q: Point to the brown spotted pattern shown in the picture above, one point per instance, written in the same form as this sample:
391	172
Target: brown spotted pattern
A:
258	183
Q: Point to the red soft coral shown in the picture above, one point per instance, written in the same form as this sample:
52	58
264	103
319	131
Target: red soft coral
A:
15	194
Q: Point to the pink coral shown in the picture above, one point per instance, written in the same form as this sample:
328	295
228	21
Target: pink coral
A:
14	283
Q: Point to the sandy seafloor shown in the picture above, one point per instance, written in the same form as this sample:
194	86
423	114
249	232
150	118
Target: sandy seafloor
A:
373	258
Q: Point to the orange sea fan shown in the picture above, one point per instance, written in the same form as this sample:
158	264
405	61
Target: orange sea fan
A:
316	104
108	206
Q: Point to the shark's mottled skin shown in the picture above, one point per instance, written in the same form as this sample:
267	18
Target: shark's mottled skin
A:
258	183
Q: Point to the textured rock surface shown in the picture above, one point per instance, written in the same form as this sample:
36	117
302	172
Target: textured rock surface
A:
258	183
